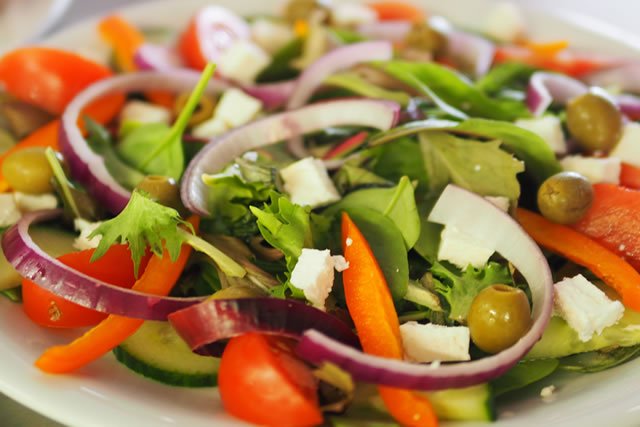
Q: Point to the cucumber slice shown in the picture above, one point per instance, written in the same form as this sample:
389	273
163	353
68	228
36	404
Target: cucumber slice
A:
53	241
465	404
156	351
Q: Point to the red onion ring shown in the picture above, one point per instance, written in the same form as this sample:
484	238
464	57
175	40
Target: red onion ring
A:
34	264
155	57
89	168
278	127
272	95
217	28
477	217
336	60
393	31
204	325
471	52
625	77
545	88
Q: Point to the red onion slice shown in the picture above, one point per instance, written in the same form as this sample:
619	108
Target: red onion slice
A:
279	127
204	325
34	264
272	95
155	57
217	29
89	168
338	59
477	217
629	105
471	52
625	77
393	31
545	88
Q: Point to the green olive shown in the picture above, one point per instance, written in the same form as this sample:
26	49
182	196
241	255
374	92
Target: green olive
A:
203	112
423	37
236	292
594	122
28	171
565	197
162	189
499	316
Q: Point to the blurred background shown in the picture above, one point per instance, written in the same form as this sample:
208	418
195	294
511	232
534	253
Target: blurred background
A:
30	20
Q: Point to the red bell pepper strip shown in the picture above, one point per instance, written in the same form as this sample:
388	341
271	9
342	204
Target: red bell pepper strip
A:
397	11
630	176
124	39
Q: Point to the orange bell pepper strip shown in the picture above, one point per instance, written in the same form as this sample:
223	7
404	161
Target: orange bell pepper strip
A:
582	250
397	11
124	39
547	48
158	278
630	176
374	315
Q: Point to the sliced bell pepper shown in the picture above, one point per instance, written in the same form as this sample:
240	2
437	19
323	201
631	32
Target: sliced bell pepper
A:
397	11
124	39
630	176
582	250
374	315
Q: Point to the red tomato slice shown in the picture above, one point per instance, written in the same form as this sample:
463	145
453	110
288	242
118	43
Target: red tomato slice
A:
614	221
209	33
47	309
48	78
630	176
397	11
261	381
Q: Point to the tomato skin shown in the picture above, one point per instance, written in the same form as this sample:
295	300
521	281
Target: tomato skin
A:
47	309
614	221
189	47
262	382
397	11
48	78
630	176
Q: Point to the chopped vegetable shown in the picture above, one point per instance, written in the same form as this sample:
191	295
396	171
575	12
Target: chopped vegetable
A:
124	38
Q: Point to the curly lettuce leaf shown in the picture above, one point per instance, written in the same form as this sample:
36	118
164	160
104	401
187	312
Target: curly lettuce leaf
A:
459	288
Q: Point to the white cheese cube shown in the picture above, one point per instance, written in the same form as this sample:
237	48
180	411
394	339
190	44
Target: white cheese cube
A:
9	212
35	202
586	308
236	108
428	343
505	22
308	184
144	112
548	128
313	274
242	61
352	14
595	169
500	202
461	249
210	128
82	242
271	35
628	148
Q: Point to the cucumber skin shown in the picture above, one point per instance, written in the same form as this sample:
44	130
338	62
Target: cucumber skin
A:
475	403
160	375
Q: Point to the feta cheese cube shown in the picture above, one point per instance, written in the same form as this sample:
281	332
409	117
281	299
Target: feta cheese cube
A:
549	129
236	108
313	274
505	22
9	212
499	201
586	308
35	202
210	128
270	35
352	14
595	169
429	343
243	61
85	228
308	184
628	147
144	112
461	249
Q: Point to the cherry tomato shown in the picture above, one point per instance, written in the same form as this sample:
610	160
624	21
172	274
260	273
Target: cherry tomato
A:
261	381
46	77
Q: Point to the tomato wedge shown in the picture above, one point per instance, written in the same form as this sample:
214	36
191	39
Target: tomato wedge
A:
261	381
48	309
46	77
397	11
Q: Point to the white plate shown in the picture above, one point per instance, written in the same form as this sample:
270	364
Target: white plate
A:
106	394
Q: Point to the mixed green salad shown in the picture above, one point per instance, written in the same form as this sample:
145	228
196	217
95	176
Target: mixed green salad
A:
343	214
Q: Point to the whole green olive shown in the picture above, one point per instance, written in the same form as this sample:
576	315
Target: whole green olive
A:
499	316
594	122
565	197
28	171
162	189
203	112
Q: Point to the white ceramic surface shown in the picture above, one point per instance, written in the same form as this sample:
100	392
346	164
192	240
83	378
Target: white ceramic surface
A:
106	394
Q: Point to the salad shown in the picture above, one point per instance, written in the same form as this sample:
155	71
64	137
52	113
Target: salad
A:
347	214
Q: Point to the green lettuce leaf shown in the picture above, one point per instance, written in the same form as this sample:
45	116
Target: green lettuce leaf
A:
504	75
401	158
481	167
459	288
350	177
359	86
454	89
